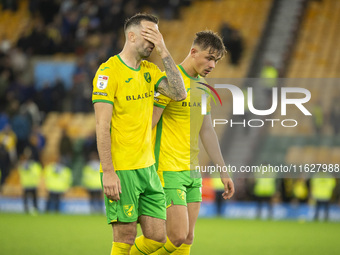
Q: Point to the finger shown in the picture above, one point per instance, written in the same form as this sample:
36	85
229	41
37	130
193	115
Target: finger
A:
225	194
116	191
153	29
107	192
119	187
150	36
150	39
231	191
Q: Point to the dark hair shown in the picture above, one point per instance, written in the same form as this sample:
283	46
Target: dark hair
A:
210	40
137	18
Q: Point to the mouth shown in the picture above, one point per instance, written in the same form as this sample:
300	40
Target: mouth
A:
207	71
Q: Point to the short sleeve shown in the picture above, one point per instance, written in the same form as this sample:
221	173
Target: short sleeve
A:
104	85
161	100
156	75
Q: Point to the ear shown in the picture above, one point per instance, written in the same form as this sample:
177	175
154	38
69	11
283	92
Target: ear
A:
193	52
131	36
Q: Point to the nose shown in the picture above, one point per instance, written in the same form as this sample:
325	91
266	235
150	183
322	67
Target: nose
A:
212	64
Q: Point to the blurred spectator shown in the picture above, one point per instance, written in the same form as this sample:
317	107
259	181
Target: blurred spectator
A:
233	42
90	145
91	181
9	140
264	190
286	189
4	85
66	149
19	60
58	179
48	9
30	177
81	91
37	143
322	186
219	189
32	111
4	164
301	190
44	98
269	75
4	121
21	125
235	47
58	93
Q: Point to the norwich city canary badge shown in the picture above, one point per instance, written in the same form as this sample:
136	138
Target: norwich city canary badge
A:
147	77
128	210
181	194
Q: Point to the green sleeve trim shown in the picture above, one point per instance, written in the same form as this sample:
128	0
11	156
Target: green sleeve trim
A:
208	113
159	105
158	140
102	101
157	84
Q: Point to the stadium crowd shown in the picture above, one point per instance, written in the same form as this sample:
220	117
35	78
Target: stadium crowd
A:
88	31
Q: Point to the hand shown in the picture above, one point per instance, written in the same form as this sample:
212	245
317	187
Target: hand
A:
111	184
229	189
153	35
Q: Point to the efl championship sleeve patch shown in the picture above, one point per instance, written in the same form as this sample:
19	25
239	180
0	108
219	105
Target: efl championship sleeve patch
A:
102	81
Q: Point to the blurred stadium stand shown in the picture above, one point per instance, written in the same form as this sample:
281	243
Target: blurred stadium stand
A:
39	38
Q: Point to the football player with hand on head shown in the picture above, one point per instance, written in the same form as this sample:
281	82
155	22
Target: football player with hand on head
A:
123	92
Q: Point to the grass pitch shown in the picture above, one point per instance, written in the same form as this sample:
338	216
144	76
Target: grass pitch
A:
85	235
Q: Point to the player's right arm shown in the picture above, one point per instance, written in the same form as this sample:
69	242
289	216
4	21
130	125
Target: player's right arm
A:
104	89
111	182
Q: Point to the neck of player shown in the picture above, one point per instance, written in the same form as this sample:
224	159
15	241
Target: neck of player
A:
130	59
189	68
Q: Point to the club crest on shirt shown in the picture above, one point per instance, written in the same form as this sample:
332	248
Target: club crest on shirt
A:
181	194
147	77
128	210
102	81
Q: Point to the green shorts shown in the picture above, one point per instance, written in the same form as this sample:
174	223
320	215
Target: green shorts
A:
142	194
180	188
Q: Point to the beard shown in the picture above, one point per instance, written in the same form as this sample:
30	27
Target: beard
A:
145	53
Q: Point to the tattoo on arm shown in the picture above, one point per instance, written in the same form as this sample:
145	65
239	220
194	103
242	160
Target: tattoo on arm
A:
173	86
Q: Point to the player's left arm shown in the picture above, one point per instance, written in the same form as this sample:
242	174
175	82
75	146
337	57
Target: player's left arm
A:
210	142
157	113
173	85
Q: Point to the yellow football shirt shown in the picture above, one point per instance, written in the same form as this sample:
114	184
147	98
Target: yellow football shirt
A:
131	92
177	132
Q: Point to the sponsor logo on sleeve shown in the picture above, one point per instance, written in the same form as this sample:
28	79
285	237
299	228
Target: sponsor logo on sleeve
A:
102	81
100	94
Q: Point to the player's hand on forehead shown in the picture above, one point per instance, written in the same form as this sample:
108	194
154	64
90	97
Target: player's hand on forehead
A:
148	24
